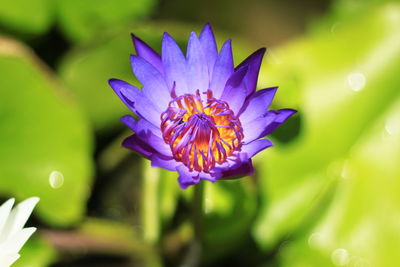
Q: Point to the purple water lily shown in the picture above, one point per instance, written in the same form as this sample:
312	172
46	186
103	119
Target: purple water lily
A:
198	115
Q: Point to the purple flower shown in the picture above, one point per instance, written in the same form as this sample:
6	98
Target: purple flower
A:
198	115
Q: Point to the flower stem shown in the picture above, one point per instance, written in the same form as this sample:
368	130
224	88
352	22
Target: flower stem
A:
194	255
150	210
197	209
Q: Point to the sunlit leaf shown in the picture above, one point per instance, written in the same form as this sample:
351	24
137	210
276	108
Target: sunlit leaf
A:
230	207
15	16
36	253
343	81
361	226
44	139
83	20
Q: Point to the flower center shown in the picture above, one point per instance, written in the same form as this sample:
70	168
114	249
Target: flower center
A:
201	133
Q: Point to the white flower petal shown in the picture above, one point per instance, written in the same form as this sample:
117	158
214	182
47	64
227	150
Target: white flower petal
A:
18	217
7	259
16	241
4	213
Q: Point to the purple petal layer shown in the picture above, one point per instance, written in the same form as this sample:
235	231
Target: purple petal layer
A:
253	130
149	134
129	121
223	69
155	142
257	104
256	146
264	125
155	88
136	101
186	178
235	90
133	142
147	53
280	117
253	62
207	41
165	163
174	65
122	89
236	168
197	66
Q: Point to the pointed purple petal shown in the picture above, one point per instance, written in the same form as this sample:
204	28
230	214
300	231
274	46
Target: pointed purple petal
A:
196	66
136	101
155	87
186	178
256	146
210	177
133	142
207	41
121	88
236	168
254	130
253	62
281	116
174	65
146	52
168	164
129	121
235	91
143	125
148	134
223	69
264	125
238	171
257	104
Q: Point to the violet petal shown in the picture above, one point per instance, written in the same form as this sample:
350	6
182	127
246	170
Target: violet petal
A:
235	91
155	87
174	65
257	104
196	66
223	69
146	52
207	41
253	62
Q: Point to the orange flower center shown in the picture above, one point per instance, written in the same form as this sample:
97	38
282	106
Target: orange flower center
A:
201	133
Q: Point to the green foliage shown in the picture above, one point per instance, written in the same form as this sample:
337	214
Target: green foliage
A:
86	72
36	114
83	20
344	97
17	15
37	253
230	208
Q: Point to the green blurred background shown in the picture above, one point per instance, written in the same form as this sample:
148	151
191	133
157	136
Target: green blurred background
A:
327	193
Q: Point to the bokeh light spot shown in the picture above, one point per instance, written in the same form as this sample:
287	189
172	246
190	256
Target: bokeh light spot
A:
340	257
56	179
356	81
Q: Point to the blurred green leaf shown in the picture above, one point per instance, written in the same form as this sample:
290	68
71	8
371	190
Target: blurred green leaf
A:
44	139
230	207
82	20
168	194
36	253
15	15
344	81
361	226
